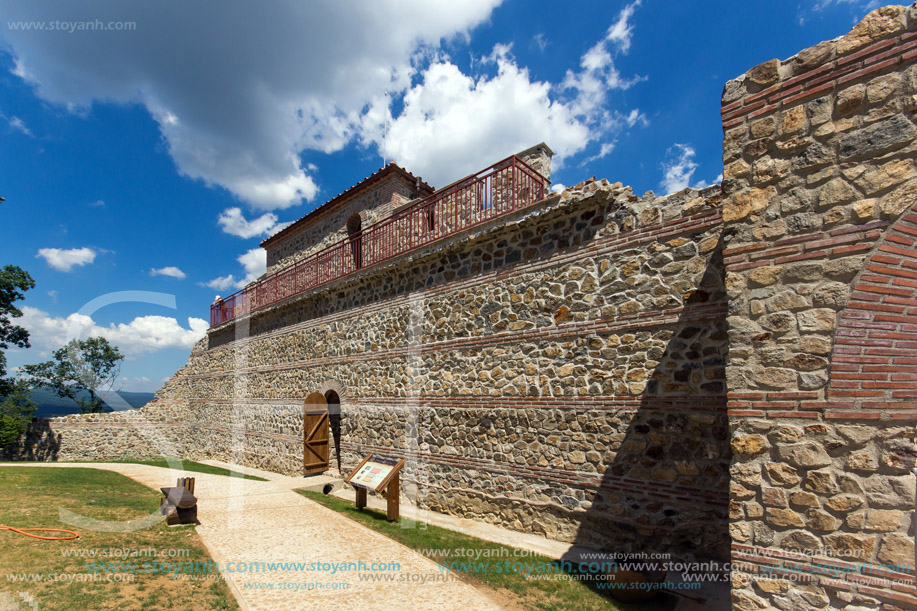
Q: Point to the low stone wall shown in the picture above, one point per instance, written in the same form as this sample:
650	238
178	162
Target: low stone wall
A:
157	429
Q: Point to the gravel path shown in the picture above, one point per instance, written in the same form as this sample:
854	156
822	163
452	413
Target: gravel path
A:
245	521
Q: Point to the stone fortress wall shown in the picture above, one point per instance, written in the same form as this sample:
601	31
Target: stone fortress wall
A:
726	373
820	216
527	382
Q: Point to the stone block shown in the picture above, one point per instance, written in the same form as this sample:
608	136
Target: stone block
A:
848	545
821	521
896	550
776	377
896	202
821	482
786	433
877	25
850	99
883	520
836	192
783	518
805	455
749	445
877	138
804	499
746	203
830	294
886	176
764	74
843	503
817	320
782	474
773	497
792	121
862	460
879	89
748	474
753	510
800	540
747	601
765	276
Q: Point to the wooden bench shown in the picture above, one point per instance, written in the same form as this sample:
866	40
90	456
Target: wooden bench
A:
179	504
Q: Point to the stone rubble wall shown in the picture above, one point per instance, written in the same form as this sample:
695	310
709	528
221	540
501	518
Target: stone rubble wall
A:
156	429
820	227
563	369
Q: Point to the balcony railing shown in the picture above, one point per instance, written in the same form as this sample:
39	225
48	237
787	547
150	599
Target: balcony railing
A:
506	186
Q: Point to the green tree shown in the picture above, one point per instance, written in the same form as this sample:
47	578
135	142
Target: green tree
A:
90	365
15	407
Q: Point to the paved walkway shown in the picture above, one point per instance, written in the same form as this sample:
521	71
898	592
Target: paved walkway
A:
250	521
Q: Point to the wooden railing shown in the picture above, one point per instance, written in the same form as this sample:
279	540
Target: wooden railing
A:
506	186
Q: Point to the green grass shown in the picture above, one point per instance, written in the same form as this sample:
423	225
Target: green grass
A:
58	574
513	588
187	465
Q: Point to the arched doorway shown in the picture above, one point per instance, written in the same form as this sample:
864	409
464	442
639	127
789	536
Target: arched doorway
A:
355	234
315	434
334	413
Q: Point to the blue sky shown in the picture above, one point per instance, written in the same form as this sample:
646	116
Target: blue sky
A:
143	164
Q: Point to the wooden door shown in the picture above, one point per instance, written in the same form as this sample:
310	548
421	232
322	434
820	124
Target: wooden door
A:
315	435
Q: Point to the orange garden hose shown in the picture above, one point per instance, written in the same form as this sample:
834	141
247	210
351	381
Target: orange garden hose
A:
22	531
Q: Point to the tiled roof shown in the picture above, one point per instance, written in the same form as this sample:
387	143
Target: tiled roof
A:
391	168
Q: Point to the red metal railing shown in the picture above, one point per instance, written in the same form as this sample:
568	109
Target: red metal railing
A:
506	186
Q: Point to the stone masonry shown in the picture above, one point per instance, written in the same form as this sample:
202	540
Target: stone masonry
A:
821	275
722	374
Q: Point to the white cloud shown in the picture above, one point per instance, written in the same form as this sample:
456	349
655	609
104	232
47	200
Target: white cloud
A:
253	261
221	283
865	5
141	335
172	271
449	119
606	148
540	41
452	122
318	76
599	73
678	170
53	295
238	110
234	223
636	117
18	125
63	260
98	204
621	30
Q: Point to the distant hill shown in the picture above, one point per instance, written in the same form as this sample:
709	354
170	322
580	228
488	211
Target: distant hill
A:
49	404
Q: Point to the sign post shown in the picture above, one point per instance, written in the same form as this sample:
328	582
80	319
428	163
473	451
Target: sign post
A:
379	474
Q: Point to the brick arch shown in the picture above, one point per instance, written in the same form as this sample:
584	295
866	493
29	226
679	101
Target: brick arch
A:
334	385
874	352
362	214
